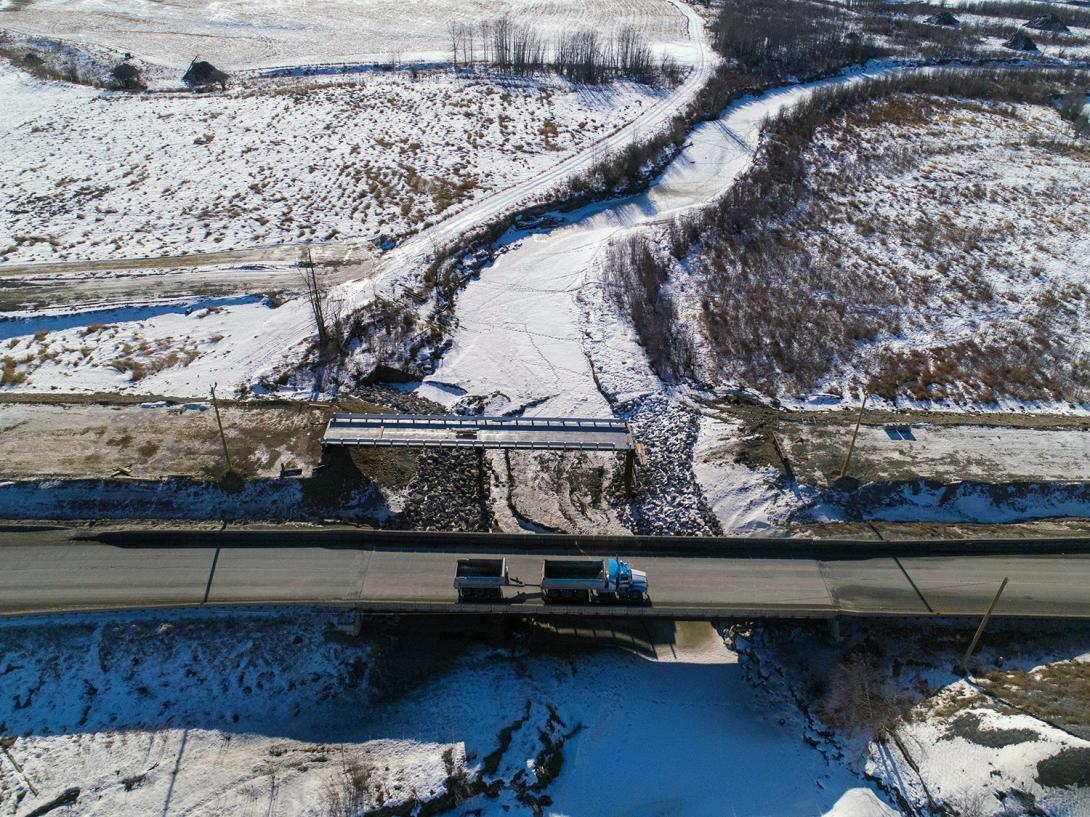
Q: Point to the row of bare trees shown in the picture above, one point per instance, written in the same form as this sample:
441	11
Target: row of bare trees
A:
787	37
582	55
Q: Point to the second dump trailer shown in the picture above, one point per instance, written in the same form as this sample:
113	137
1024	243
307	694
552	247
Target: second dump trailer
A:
481	579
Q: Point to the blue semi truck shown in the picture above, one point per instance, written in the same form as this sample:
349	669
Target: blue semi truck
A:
570	580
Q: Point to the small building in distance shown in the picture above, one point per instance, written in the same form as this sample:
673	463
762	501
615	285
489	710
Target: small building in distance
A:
1049	22
202	75
1021	42
944	18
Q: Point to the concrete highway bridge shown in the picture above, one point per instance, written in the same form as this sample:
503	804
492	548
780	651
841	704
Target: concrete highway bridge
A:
53	569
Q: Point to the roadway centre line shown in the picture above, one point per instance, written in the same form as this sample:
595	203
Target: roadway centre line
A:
834	601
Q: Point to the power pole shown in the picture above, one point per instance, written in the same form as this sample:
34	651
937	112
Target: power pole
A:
314	293
963	666
851	447
219	422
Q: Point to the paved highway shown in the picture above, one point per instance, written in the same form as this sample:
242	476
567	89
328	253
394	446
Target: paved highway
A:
62	570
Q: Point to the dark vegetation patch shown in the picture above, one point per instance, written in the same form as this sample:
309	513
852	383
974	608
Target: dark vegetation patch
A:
1021	41
1067	769
1048	22
53	60
579	55
127	77
491	762
202	75
967	726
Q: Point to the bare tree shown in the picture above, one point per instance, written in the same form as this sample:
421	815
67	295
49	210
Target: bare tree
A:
326	312
453	31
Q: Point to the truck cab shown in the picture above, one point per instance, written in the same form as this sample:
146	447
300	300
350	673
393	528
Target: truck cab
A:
626	582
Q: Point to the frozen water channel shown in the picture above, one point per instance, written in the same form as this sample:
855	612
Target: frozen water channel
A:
520	337
683	734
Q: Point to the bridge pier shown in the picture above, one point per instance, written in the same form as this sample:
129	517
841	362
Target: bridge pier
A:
833	623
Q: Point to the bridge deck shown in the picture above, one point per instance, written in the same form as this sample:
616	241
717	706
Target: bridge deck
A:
54	569
441	431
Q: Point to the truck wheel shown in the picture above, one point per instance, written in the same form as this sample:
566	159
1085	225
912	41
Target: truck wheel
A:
635	595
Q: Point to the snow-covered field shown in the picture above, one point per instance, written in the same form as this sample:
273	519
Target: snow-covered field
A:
192	185
209	713
983	757
91	175
258	33
197	713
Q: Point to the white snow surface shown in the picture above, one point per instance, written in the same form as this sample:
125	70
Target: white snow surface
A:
194	713
236	34
861	803
964	773
91	176
745	500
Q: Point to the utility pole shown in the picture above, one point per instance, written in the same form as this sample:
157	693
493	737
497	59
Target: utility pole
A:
219	422
851	446
963	666
314	293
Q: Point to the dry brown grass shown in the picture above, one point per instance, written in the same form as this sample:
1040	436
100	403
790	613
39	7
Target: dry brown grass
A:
1058	692
147	359
11	375
807	275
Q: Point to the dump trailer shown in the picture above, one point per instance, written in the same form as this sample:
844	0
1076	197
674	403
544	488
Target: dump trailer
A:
587	580
481	579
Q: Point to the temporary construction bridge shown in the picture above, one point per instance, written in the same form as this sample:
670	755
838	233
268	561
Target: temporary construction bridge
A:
480	433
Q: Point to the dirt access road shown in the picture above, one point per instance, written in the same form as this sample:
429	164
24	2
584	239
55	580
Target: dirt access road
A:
264	270
987	447
92	436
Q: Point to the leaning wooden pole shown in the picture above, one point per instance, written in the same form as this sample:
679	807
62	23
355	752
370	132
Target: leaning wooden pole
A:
980	630
855	434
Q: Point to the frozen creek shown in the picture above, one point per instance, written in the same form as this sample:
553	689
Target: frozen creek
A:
525	333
